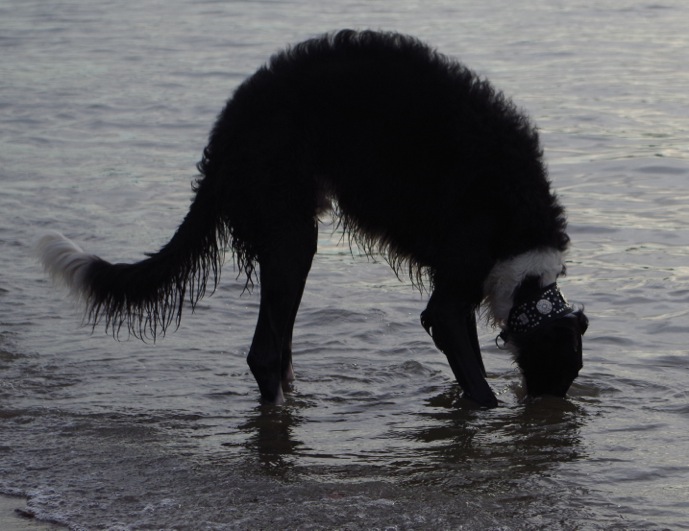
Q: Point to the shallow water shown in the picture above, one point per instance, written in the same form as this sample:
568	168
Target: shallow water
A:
104	110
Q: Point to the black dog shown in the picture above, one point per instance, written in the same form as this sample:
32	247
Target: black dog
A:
419	159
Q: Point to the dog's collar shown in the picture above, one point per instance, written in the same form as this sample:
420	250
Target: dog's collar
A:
548	306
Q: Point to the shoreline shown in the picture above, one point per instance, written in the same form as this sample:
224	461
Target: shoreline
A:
12	520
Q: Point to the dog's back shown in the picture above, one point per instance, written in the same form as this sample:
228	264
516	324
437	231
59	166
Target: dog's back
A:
420	156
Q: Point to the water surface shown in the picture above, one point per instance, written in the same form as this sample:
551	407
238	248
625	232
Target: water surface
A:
104	111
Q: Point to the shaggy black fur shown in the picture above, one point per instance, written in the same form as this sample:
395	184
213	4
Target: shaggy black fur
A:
421	160
393	131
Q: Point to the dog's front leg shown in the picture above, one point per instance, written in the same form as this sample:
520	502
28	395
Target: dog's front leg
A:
452	325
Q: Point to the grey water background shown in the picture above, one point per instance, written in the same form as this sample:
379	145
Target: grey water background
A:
104	110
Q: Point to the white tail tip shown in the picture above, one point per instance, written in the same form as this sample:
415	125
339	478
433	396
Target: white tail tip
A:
65	261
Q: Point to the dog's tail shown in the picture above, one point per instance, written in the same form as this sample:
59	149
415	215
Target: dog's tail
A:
147	296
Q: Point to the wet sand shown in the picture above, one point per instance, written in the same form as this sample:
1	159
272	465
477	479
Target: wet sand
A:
11	518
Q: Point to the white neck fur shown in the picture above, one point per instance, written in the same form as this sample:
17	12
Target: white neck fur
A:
505	277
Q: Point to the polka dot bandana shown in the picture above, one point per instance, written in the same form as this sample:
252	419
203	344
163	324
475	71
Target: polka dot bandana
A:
547	307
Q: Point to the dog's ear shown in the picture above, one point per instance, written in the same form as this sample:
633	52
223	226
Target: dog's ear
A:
583	321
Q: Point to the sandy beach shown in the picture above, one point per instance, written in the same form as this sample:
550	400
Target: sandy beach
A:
12	520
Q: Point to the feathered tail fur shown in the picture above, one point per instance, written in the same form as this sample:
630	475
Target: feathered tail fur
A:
148	296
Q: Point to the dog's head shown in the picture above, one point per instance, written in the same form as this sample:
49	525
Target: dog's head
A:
545	334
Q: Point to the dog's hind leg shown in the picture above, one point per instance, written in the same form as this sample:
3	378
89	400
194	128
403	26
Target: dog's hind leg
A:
286	360
284	266
452	325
